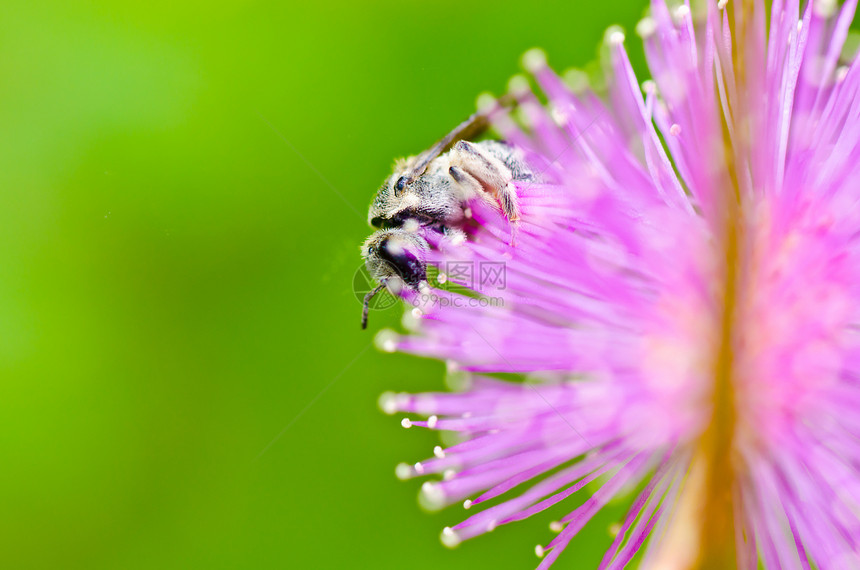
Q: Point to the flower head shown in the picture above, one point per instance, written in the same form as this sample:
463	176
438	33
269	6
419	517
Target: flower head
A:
682	296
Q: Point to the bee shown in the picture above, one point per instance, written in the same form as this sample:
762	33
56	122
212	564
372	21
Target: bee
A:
433	190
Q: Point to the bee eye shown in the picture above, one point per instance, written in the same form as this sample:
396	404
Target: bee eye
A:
400	185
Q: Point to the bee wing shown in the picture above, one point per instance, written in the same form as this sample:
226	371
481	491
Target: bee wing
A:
469	129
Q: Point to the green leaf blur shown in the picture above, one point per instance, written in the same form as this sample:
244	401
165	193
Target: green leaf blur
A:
184	187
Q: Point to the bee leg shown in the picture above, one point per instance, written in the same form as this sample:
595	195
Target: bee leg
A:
365	309
490	173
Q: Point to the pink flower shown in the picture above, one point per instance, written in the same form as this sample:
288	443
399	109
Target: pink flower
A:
683	296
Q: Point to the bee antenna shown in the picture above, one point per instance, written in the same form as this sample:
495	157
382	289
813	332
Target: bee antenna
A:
467	130
366	308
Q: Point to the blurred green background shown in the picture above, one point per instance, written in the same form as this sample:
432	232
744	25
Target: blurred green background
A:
184	187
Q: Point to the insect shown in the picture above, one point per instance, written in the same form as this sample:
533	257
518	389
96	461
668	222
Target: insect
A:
432	190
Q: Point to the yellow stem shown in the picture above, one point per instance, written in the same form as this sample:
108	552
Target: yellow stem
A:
702	535
717	528
717	548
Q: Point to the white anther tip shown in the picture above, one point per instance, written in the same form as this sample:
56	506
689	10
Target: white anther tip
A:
448	474
722	4
485	101
576	79
403	471
410	321
386	340
615	36
467	504
682	11
824	8
518	85
439	452
442	278
559	117
387	402
449	537
534	60
539	551
406	423
556	526
432	421
432	497
675	130
646	27
418	468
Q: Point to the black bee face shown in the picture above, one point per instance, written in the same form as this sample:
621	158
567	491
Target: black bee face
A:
396	254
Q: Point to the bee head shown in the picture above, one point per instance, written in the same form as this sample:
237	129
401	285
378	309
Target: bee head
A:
430	199
396	255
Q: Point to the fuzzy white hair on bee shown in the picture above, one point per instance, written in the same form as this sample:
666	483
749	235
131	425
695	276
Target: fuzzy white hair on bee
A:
432	191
